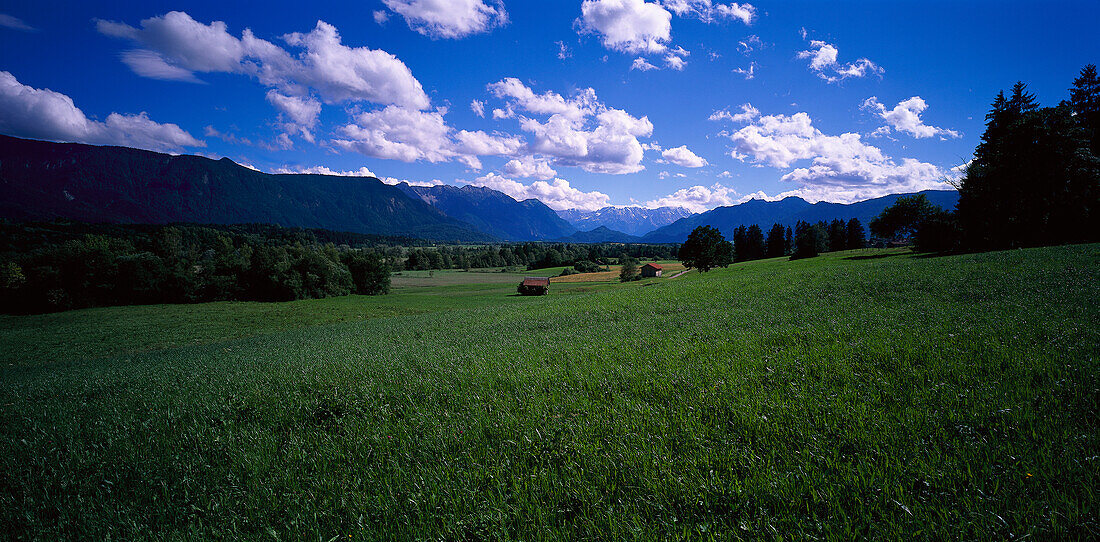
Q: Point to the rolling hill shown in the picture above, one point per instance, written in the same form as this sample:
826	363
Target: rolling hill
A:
43	181
602	234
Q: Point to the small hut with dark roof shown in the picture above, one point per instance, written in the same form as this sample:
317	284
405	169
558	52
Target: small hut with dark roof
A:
651	270
534	286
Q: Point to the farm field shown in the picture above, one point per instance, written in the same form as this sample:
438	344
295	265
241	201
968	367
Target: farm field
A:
862	394
449	277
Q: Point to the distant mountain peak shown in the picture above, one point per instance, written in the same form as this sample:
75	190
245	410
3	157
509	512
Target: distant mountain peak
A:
494	212
629	220
787	212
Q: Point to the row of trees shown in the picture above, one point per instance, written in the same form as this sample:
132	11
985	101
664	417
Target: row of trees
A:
1034	179
175	264
813	239
529	255
706	247
58	266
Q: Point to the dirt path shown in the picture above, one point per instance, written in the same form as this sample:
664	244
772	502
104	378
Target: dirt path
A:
678	274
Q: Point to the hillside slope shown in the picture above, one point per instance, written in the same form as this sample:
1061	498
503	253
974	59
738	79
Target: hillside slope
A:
602	234
870	395
493	212
42	181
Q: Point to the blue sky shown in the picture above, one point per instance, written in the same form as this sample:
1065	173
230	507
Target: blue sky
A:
694	103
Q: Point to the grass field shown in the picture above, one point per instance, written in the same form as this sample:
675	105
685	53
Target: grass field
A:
870	394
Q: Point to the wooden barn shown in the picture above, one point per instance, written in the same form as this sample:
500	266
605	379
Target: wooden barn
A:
534	286
651	270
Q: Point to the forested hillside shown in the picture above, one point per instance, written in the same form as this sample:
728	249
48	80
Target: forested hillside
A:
44	181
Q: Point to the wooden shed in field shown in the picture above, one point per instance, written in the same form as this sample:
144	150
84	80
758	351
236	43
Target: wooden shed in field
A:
534	286
651	270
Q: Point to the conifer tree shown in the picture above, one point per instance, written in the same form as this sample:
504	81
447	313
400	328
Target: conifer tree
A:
776	244
854	233
740	244
754	241
1084	101
807	240
838	235
1033	180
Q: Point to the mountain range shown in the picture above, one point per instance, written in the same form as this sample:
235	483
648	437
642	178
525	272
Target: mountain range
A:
629	220
44	181
494	213
787	211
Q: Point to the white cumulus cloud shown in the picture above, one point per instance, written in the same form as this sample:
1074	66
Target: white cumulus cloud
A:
168	46
682	156
324	170
316	67
840	168
528	167
579	131
905	117
823	62
450	19
557	195
629	26
302	111
521	97
696	198
410	135
394	181
45	114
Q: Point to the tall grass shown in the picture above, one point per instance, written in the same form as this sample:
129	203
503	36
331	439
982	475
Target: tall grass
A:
891	397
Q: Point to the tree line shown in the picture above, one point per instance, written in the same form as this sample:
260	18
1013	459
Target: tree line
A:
47	267
1034	179
531	256
61	266
706	248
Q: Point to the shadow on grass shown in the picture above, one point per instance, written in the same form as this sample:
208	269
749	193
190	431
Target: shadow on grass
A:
926	255
877	256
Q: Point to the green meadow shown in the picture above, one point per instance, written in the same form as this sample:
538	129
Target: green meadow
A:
861	394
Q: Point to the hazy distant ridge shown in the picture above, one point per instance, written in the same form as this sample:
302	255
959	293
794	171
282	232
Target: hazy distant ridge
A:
787	211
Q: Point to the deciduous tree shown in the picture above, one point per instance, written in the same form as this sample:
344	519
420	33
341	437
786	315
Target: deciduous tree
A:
706	249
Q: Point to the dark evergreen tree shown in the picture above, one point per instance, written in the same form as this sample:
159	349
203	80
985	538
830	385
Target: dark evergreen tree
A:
854	237
740	243
806	240
1034	178
788	240
1084	100
838	235
754	243
776	245
706	249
